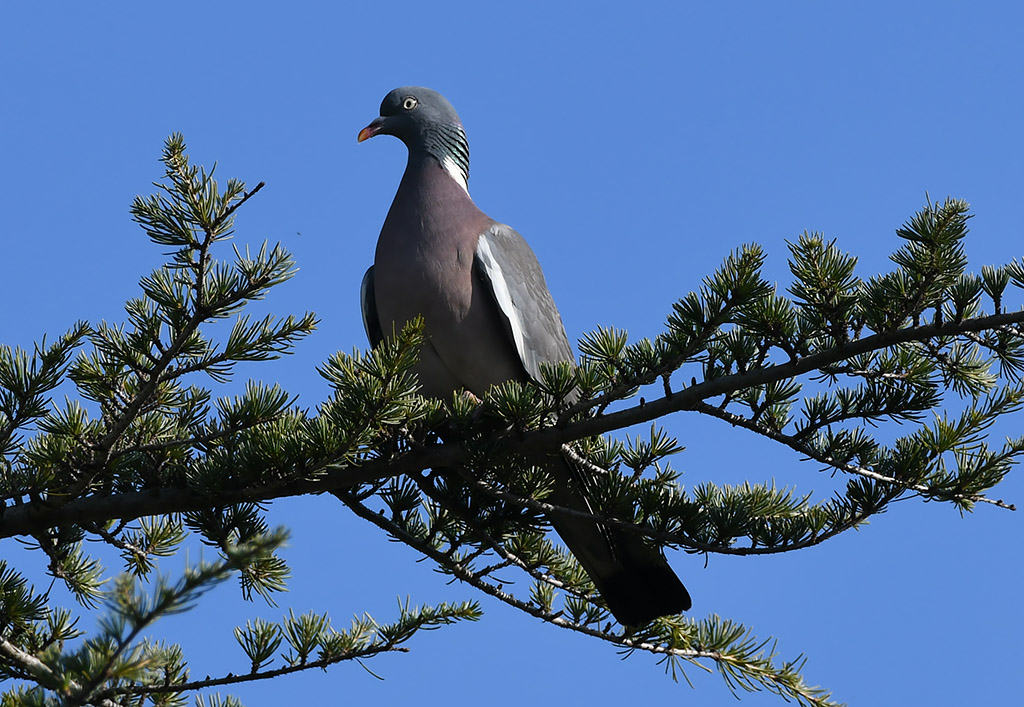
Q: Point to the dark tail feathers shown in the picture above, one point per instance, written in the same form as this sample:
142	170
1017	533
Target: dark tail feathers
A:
634	578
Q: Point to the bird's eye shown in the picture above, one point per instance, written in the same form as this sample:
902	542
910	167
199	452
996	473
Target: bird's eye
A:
409	103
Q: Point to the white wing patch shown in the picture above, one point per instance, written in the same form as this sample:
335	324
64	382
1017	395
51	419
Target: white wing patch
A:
502	295
453	170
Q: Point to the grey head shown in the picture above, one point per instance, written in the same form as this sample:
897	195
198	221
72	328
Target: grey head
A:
428	125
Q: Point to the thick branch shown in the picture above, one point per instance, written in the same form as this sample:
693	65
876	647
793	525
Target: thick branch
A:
33	518
688	398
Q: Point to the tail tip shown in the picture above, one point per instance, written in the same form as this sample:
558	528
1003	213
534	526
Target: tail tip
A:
638	597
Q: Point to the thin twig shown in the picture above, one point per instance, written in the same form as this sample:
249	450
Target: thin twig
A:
791	442
44	675
232	679
234	207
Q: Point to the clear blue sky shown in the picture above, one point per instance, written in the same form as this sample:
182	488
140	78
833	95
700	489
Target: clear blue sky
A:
633	145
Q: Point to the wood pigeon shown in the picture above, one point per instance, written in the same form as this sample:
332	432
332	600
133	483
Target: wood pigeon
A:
489	318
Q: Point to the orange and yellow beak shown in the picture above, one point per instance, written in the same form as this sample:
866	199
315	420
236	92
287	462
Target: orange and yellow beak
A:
371	130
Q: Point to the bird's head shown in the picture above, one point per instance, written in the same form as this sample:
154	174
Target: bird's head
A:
428	125
410	113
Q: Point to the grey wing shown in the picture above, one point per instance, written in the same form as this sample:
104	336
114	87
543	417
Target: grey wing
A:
368	303
510	270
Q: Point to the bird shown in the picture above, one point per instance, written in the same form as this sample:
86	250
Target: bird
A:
488	318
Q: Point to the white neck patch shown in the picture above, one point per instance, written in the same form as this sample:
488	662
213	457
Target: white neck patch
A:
455	173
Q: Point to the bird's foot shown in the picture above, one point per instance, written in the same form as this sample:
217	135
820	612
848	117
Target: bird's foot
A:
472	398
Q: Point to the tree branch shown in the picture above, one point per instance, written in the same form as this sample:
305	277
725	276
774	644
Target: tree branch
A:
37	516
232	679
753	670
791	442
42	673
688	398
34	517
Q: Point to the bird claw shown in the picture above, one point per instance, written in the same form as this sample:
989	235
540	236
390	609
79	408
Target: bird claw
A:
471	397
